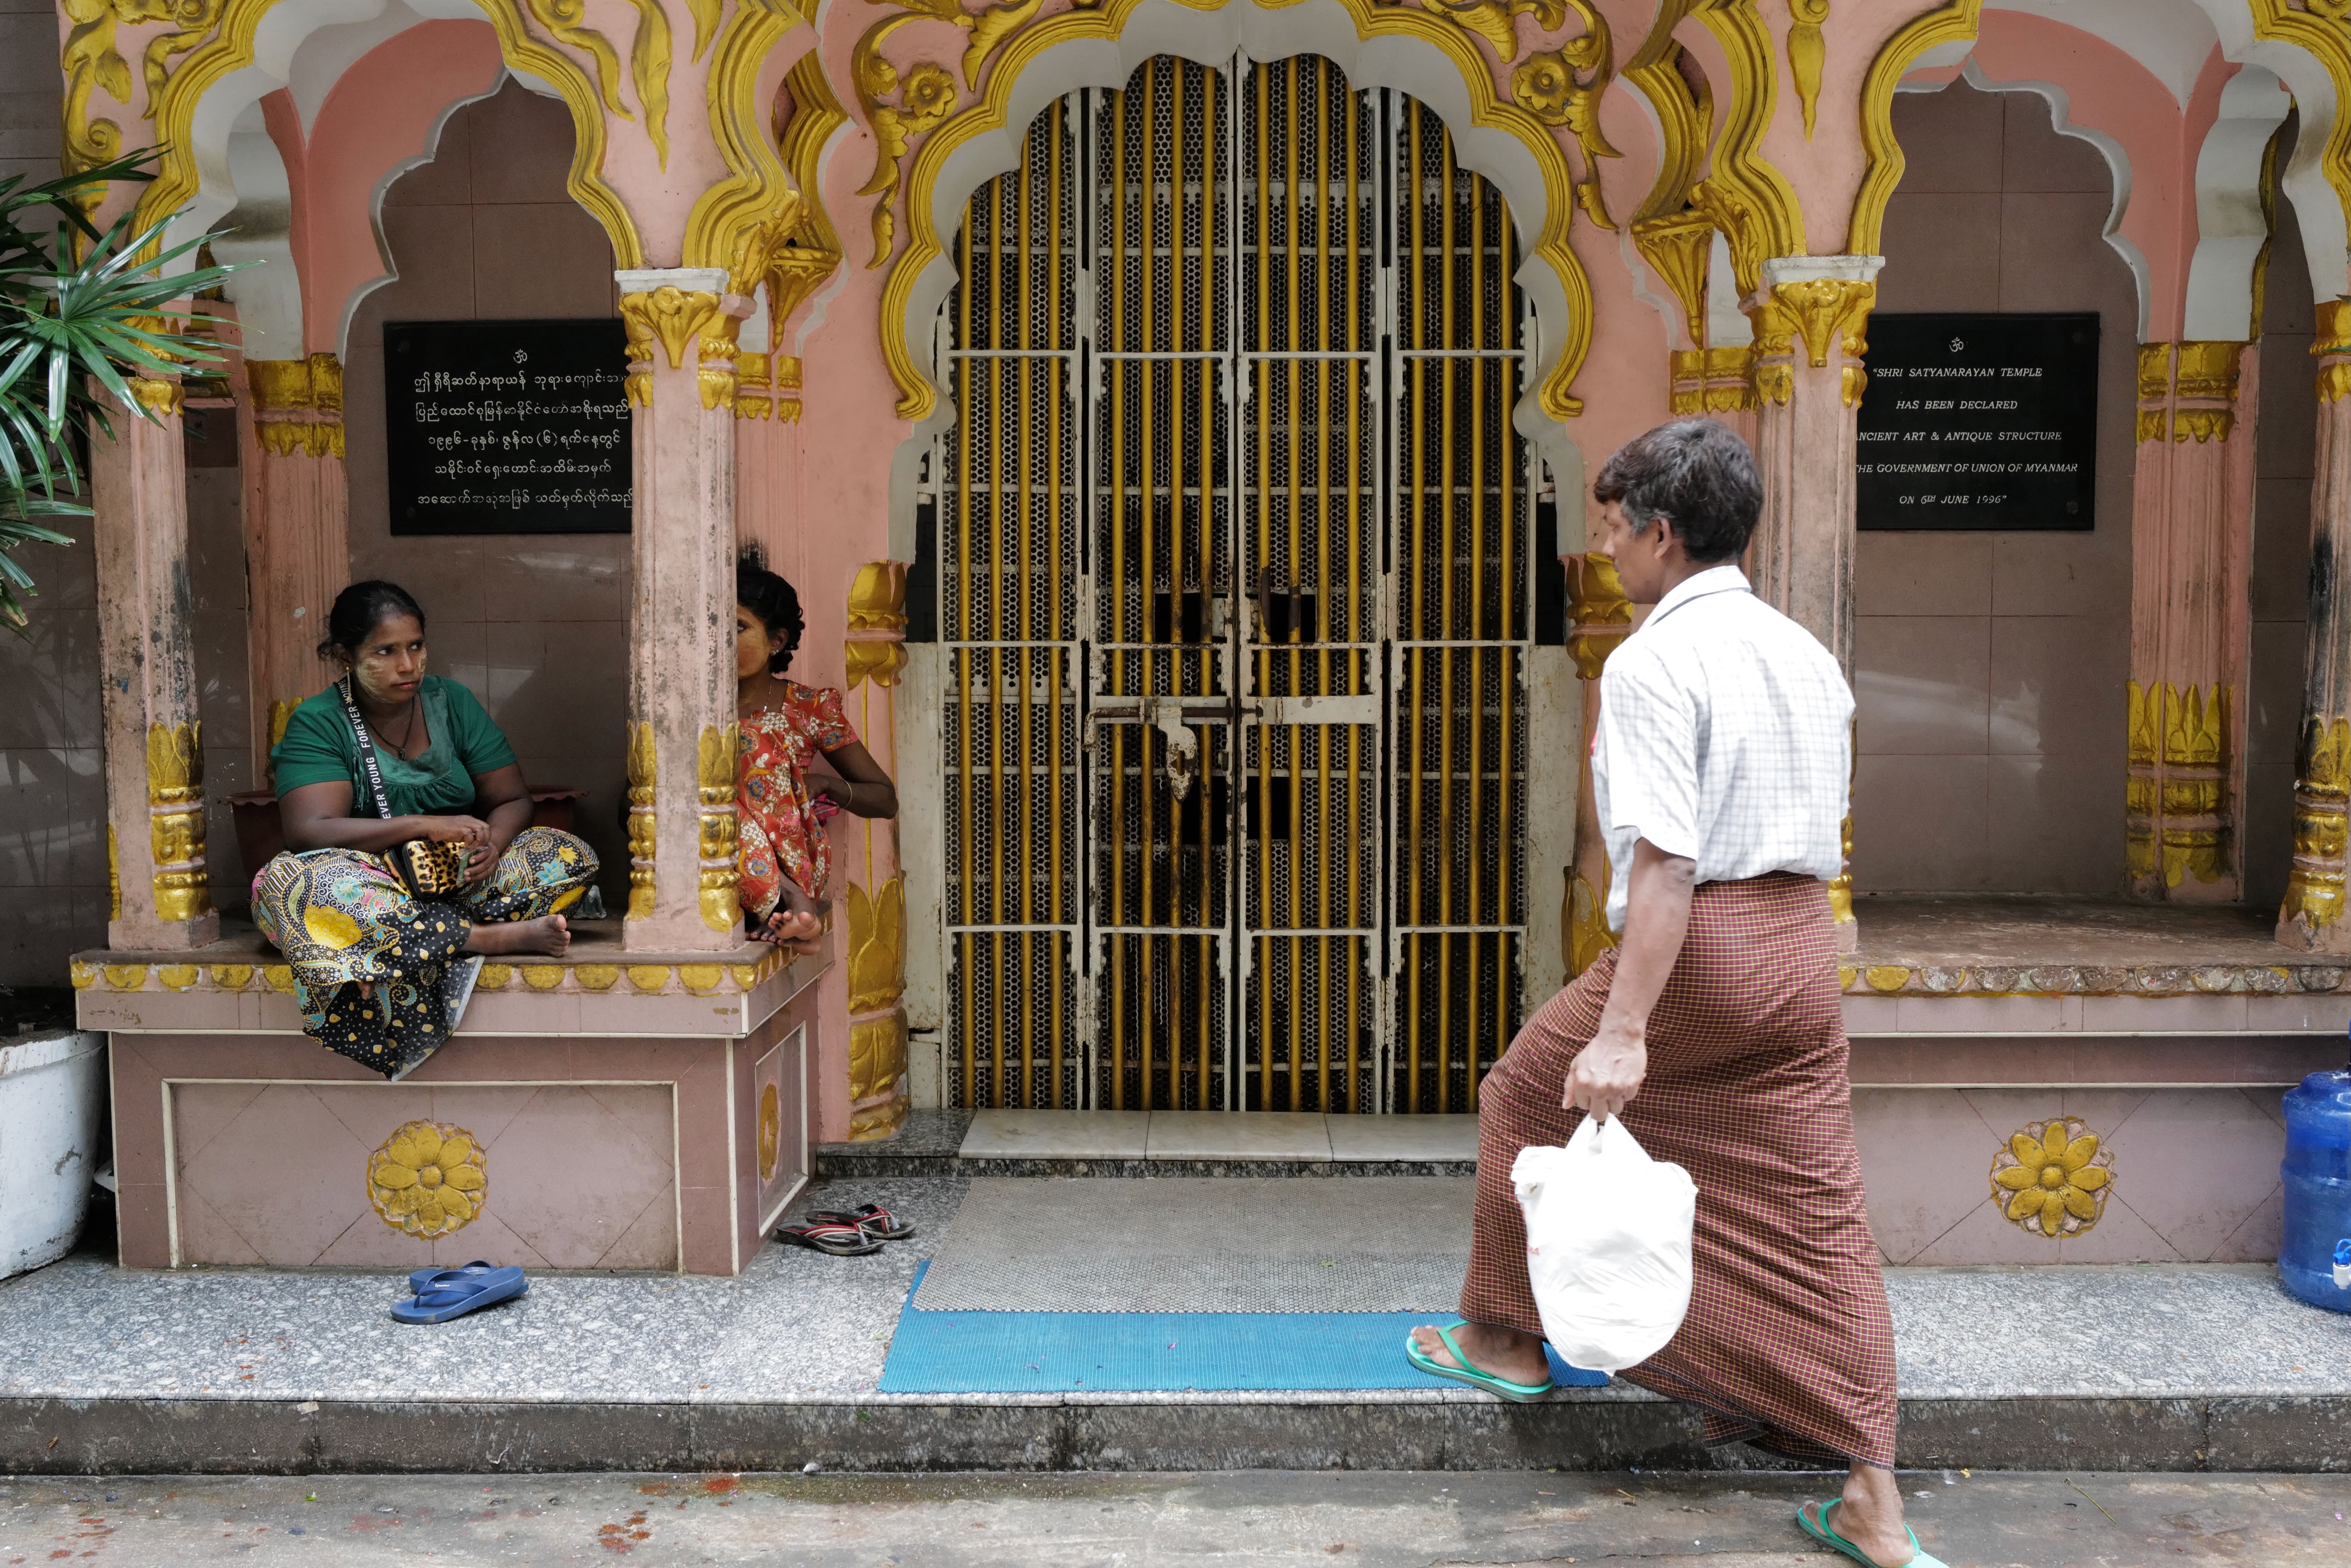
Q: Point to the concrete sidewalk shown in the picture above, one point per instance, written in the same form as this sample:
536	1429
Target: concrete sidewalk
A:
2152	1368
1394	1520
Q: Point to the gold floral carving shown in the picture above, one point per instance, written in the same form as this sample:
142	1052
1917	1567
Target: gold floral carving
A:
1822	310
755	252
2155	387
90	60
2052	1178
714	780
2333	328
1598	613
2334	381
2174	826
175	803
740	95
1949	24
429	1179
927	98
877	1022
309	389
159	395
713	369
643	776
1557	87
877	624
1856	381
2208	370
1679	247
2321	824
1775	384
1588	936
670	316
639	331
1808	51
1840	885
771	1131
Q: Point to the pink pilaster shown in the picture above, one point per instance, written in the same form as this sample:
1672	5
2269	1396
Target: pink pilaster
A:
1810	317
154	740
683	738
2192	555
297	527
2312	917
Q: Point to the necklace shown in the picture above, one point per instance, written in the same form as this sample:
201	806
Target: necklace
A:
407	735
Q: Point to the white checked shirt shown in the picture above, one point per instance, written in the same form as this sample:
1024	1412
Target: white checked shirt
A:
1725	736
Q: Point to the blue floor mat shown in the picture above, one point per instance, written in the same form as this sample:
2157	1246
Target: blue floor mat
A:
1057	1353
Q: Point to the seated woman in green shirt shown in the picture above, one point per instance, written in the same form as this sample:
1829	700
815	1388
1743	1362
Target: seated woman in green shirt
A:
384	975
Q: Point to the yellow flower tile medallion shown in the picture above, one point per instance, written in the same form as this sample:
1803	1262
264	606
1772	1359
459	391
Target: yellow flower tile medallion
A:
429	1179
2052	1178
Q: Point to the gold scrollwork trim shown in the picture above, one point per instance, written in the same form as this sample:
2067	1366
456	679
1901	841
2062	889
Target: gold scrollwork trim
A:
159	396
173	101
1748	199
643	773
1684	113
990	112
1950	24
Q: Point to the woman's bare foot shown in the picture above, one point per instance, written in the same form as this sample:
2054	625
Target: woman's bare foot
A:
1506	1353
550	936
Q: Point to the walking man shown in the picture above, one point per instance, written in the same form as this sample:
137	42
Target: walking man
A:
1720	767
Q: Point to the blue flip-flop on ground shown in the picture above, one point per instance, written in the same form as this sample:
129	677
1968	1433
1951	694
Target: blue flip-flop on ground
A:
1465	1373
424	1280
1817	1525
460	1296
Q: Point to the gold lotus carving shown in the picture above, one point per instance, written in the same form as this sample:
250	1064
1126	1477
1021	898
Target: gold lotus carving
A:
429	1179
2052	1178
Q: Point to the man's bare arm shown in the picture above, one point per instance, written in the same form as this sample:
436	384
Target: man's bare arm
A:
1608	1072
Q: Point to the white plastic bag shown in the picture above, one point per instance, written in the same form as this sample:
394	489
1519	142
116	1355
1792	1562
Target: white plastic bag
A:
1608	1245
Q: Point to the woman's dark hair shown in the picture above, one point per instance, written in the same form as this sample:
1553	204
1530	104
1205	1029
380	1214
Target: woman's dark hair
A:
360	610
1699	475
771	599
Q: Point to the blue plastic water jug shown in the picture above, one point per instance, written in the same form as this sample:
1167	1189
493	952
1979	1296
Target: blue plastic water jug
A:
2315	1258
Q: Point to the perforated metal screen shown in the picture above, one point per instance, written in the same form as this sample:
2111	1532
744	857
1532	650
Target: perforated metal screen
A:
1234	582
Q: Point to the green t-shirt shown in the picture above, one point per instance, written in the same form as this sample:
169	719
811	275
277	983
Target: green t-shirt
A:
319	748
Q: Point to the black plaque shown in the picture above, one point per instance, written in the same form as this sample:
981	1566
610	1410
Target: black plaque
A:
506	427
1979	421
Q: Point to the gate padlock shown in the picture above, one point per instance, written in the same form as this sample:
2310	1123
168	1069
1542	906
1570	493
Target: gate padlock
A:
1182	745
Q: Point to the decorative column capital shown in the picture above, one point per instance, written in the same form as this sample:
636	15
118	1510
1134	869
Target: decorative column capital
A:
678	308
1824	298
297	405
1599	614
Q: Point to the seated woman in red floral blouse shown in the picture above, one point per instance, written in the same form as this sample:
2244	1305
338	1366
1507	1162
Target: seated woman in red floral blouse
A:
783	800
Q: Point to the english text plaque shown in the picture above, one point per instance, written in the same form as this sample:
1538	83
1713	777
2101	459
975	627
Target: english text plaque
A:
1979	421
506	427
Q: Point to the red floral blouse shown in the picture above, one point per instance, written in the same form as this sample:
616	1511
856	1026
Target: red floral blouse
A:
782	832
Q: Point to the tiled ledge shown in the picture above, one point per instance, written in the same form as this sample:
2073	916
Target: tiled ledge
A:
1998	964
241	984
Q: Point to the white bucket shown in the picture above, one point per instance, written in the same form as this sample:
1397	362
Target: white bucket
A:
52	1091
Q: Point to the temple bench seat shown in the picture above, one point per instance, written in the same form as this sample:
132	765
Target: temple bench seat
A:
623	1110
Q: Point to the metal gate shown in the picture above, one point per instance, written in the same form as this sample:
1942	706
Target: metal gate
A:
1234	588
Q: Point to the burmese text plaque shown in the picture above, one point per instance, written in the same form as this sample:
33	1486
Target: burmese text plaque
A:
506	427
1979	422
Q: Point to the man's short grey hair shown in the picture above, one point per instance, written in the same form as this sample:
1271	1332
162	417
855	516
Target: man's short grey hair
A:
1697	475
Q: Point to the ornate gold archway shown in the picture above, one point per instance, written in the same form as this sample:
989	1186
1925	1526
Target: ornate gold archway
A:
1005	45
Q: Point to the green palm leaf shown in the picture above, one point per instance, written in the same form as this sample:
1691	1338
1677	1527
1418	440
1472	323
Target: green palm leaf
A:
82	311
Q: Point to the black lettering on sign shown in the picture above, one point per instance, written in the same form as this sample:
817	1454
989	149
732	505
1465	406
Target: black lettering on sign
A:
2015	395
508	427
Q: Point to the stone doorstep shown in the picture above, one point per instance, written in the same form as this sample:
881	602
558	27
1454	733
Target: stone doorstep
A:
1602	1430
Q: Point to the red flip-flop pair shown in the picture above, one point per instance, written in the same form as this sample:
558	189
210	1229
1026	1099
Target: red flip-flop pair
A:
848	1234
